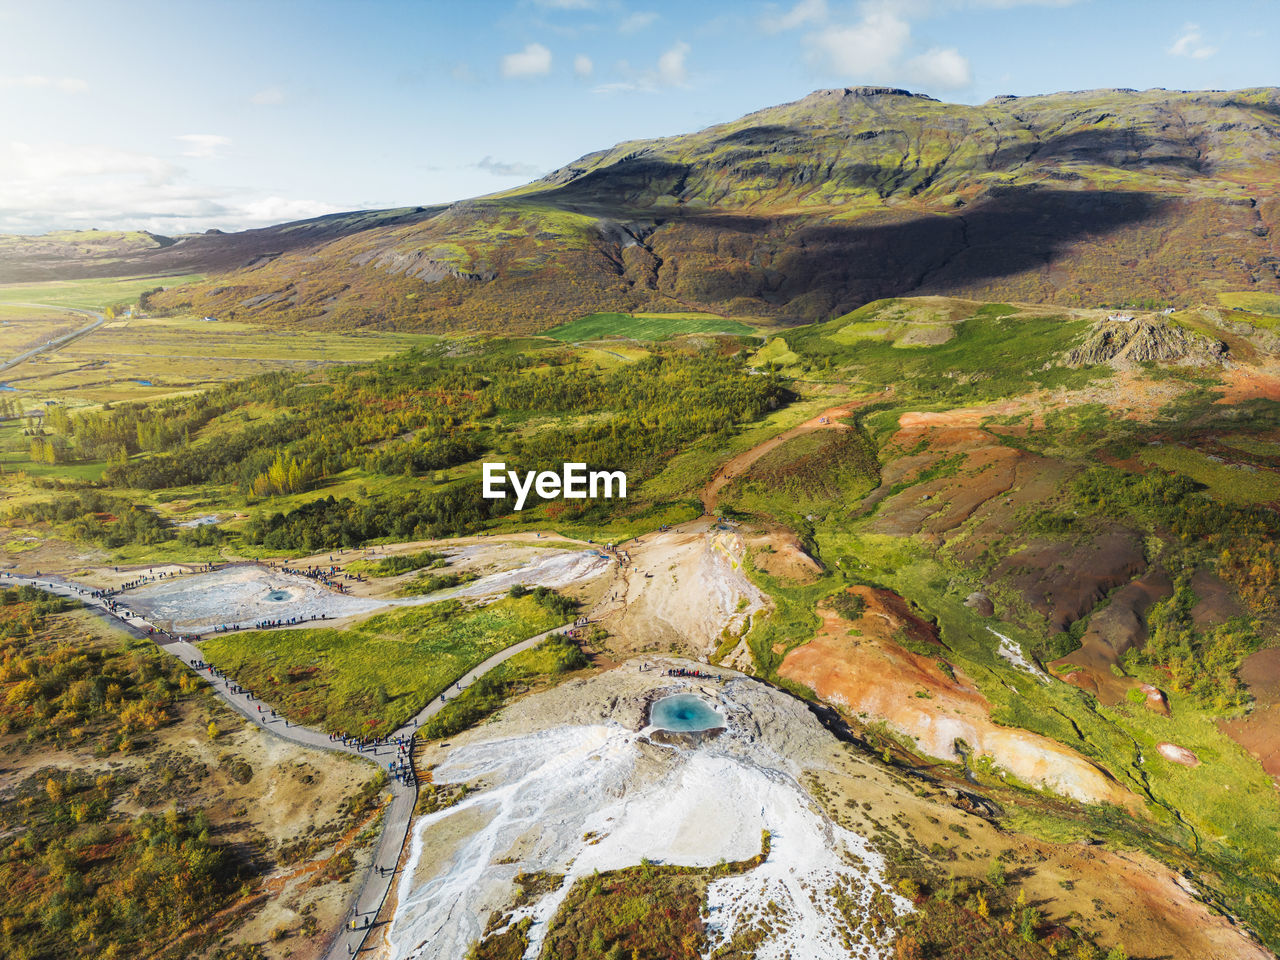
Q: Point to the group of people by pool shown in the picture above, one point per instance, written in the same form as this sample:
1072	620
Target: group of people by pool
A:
684	672
268	624
329	577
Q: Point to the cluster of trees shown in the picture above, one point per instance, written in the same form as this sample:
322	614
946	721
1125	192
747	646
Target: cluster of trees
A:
86	883
405	562
99	518
1244	542
1201	663
285	475
655	408
327	523
46	449
418	413
56	687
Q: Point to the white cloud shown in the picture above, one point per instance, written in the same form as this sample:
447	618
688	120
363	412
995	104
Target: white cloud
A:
33	81
203	144
48	163
269	210
878	49
1190	43
866	50
940	69
670	71
533	61
267	97
1009	4
637	22
500	168
582	65
76	186
671	68
806	11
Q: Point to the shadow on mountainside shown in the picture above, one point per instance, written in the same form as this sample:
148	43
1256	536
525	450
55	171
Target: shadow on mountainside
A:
716	257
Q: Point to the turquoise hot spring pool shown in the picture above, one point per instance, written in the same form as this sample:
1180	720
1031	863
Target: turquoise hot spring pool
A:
684	713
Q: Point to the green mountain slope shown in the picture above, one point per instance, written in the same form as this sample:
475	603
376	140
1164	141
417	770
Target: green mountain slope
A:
809	209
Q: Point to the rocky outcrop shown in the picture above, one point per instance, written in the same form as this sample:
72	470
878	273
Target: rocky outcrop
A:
1129	344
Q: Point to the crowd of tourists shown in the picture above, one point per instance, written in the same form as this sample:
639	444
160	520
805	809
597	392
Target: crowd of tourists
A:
268	624
326	575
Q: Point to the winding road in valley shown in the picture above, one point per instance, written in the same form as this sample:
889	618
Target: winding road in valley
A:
383	870
51	345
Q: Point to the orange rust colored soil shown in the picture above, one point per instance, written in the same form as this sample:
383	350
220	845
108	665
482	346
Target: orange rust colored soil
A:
1259	730
1250	383
779	553
858	667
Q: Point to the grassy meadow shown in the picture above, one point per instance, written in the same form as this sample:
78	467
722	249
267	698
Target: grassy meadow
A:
88	294
646	326
370	678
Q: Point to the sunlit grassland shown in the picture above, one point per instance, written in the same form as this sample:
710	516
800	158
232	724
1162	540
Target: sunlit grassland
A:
994	354
1253	301
20	333
1227	483
181	354
1228	797
376	675
646	326
88	294
775	353
186	336
602	358
549	662
1263	448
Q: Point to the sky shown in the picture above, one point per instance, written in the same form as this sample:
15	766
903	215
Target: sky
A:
180	116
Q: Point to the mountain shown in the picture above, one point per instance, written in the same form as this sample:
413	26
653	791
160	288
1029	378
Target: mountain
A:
804	211
77	254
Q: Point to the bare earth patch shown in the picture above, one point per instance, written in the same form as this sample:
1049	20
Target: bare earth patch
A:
858	667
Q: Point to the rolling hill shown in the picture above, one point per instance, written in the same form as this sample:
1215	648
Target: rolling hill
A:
798	212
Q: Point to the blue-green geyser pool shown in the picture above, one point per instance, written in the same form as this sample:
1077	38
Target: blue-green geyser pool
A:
684	713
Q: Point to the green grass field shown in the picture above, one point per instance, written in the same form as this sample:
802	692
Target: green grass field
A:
137	359
776	353
1267	303
372	677
88	294
1225	483
645	326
